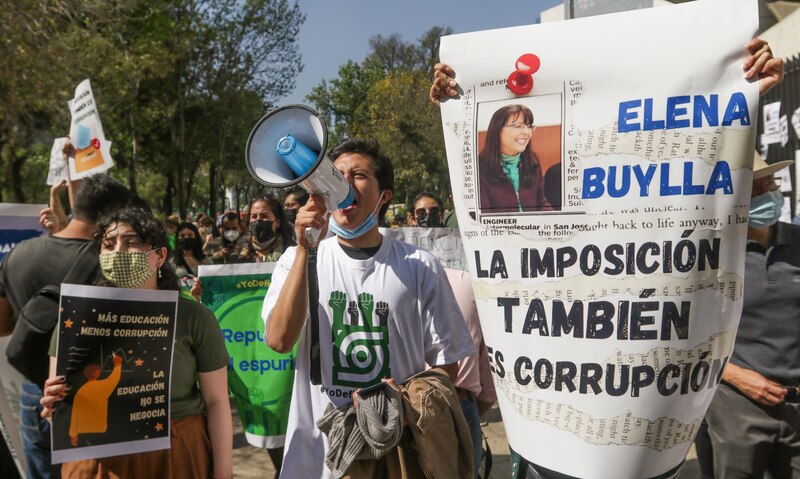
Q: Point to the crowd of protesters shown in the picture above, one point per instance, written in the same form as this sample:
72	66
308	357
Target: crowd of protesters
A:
414	311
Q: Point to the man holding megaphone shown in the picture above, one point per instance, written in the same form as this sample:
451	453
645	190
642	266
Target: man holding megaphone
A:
385	308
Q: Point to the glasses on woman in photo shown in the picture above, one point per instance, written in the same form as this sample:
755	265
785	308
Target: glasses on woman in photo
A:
520	126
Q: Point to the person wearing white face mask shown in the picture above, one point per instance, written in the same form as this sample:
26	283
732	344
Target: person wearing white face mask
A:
231	242
384	308
754	418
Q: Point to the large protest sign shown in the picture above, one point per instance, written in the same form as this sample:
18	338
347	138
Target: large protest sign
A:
444	243
606	247
259	378
115	349
92	150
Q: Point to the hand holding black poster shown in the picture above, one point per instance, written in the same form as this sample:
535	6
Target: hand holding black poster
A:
114	347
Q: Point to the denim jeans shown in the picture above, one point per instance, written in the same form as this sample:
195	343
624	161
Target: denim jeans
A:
470	409
35	434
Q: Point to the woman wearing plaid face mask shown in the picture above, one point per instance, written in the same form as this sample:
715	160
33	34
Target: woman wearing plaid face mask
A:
133	254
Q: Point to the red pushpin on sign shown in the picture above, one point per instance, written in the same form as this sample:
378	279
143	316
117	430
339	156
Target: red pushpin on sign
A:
520	82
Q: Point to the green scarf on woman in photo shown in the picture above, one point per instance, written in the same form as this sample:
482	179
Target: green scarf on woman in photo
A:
511	169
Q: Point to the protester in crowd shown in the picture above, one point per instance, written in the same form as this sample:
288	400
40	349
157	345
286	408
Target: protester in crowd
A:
427	210
753	419
231	242
188	256
43	261
474	384
407	308
133	254
294	199
207	229
270	233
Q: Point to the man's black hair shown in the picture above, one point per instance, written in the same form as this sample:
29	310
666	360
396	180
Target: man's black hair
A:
97	196
380	163
230	216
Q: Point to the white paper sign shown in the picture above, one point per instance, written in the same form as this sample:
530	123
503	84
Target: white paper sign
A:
797	178
444	243
58	169
784	130
607	258
772	114
93	151
786	210
796	122
783	177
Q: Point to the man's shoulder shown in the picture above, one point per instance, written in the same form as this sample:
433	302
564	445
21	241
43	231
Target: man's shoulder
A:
788	233
50	248
794	228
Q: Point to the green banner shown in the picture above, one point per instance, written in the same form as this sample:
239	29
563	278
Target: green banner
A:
260	379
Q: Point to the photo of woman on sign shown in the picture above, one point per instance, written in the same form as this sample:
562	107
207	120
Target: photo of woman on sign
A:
511	175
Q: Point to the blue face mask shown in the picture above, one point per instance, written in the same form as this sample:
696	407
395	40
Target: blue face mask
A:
765	209
359	230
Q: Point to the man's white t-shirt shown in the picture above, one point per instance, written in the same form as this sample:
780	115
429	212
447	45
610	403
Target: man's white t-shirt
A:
382	317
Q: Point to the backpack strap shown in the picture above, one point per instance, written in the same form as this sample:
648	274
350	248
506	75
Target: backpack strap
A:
313	305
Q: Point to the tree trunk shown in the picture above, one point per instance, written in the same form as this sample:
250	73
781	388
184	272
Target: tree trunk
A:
180	156
212	191
189	188
16	177
167	204
132	163
5	168
238	193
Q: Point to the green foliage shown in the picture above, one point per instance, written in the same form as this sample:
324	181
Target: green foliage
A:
178	85
386	97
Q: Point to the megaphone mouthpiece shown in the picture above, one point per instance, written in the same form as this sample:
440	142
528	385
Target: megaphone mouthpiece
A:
296	154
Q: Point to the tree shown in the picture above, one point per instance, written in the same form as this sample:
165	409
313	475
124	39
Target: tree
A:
226	48
31	60
178	85
386	97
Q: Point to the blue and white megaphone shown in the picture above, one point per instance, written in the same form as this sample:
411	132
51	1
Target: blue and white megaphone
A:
287	147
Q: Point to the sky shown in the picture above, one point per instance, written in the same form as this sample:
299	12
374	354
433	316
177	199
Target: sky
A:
339	30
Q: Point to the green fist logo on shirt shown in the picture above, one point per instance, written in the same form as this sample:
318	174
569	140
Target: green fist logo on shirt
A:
360	341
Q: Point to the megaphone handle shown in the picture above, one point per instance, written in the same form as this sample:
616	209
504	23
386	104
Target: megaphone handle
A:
312	234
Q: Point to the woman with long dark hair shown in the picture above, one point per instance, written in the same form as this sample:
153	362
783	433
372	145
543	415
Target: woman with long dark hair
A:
133	254
270	232
511	176
188	255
